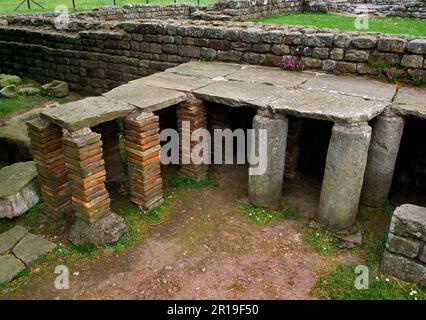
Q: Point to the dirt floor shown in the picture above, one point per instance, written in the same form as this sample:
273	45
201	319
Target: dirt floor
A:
207	250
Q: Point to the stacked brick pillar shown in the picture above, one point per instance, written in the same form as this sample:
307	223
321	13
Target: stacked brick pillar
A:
87	174
49	158
191	115
142	141
111	149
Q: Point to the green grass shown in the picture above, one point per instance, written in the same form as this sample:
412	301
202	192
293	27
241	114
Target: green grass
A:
20	103
10	106
394	25
321	240
176	181
32	220
262	215
339	285
8	6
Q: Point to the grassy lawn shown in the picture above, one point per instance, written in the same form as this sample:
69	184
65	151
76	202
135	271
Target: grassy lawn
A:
415	27
20	103
8	6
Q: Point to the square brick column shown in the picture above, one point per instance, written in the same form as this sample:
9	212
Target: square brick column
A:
87	175
142	140
111	150
50	162
191	115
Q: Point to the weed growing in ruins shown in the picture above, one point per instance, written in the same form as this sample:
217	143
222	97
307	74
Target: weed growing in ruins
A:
262	215
339	285
87	249
419	80
388	207
322	241
176	181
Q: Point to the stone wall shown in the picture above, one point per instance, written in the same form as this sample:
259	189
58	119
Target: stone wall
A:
111	54
247	9
386	8
221	10
405	253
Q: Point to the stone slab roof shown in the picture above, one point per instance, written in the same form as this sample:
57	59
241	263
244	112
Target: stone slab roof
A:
410	102
147	98
344	99
88	112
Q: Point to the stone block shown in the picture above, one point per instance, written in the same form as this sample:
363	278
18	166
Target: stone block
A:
19	189
32	247
409	221
106	230
412	61
10	267
391	44
403	268
404	246
11	237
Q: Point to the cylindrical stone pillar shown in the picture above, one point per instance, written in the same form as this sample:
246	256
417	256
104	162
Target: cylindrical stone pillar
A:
344	174
384	147
265	189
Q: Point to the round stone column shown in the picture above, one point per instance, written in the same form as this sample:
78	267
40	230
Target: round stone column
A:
344	174
384	147
265	189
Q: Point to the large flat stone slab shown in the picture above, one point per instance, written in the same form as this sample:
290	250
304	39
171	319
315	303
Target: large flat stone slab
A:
9	267
174	81
145	97
269	75
18	189
206	69
32	247
330	106
410	102
88	112
240	94
11	237
354	86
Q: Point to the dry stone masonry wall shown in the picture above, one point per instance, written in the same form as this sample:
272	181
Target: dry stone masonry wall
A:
386	8
405	253
104	57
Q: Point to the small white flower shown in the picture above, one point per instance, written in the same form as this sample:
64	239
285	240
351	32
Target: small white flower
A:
387	280
377	278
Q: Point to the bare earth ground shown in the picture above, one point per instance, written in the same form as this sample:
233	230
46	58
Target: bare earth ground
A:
207	250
